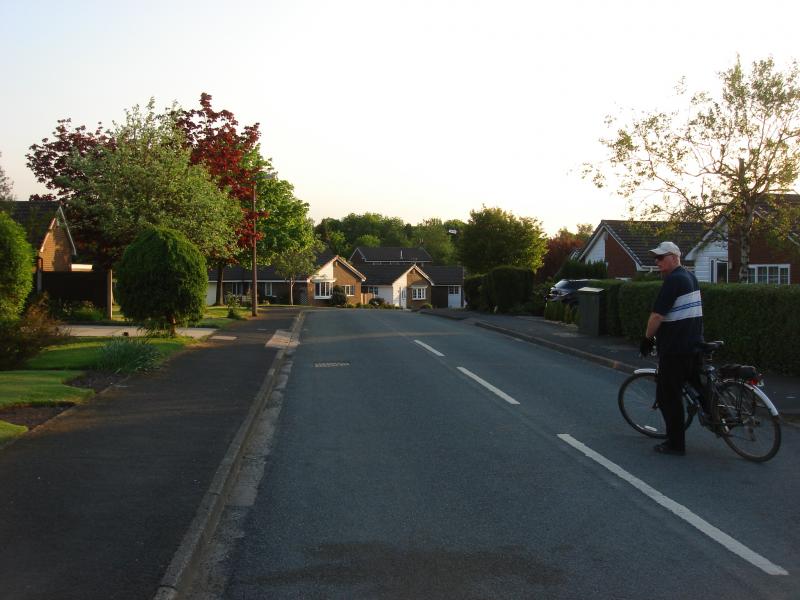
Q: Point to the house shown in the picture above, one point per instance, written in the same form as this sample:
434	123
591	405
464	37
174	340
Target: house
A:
404	285
390	255
447	282
624	247
448	286
47	231
314	289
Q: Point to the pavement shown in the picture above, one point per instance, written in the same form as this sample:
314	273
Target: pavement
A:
112	499
115	330
613	352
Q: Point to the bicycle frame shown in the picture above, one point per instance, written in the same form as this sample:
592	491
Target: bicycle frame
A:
756	390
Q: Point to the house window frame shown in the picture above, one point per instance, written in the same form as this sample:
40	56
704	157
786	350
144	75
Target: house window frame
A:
755	271
349	289
451	288
322	286
370	289
419	293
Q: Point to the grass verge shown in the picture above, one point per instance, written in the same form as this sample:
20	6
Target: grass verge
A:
45	388
8	431
83	353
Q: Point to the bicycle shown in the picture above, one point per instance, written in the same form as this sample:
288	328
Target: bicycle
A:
738	410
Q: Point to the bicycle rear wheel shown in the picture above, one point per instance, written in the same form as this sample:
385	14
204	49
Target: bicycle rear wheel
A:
746	424
637	403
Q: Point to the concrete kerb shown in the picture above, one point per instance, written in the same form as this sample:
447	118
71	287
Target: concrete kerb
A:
181	570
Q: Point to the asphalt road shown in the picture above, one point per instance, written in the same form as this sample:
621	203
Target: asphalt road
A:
416	457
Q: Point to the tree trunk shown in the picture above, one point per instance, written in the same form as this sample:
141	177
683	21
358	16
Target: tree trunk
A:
109	295
746	227
220	297
291	291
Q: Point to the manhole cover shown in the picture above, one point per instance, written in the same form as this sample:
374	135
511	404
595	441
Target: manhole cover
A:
330	365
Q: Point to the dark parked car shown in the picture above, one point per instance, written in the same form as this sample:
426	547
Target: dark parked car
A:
566	291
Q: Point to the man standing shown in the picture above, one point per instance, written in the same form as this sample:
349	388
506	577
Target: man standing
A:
677	319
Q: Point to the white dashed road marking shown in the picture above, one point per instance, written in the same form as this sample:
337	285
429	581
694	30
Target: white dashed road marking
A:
488	386
428	348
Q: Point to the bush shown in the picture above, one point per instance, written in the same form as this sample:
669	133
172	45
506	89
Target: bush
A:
377	302
508	286
86	312
162	280
24	338
128	355
536	303
473	293
338	296
427	305
574	269
635	305
16	265
554	311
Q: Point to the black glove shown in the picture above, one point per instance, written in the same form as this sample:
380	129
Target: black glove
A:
646	346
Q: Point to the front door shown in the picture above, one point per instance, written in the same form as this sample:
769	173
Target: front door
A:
403	296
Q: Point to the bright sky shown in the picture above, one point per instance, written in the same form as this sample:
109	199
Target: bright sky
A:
412	109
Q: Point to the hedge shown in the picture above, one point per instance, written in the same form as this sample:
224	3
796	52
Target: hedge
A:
508	287
758	323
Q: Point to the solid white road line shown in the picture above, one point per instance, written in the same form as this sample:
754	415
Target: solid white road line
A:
488	386
428	348
678	509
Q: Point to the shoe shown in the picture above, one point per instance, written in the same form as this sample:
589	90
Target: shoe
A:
665	448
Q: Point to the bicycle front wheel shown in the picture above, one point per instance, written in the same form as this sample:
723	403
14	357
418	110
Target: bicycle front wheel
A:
637	403
746	424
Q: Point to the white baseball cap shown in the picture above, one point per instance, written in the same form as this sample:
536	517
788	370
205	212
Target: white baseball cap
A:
666	248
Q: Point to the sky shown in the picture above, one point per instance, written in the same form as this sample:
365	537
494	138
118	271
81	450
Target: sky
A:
413	109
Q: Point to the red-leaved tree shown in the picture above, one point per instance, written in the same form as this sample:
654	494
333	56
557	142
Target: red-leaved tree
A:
231	156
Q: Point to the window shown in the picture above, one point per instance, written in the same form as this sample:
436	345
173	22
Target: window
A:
369	289
322	289
418	293
775	274
349	290
454	290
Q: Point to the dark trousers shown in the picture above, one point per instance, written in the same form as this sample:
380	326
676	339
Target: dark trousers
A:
673	371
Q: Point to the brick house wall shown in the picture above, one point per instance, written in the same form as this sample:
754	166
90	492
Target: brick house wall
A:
763	252
343	277
619	262
56	251
412	278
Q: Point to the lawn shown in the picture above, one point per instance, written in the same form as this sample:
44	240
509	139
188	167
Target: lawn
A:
82	353
22	388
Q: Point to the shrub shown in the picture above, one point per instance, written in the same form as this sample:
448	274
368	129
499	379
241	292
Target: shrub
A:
377	302
427	305
574	269
16	264
635	304
85	311
24	338
338	296
162	280
508	286
536	303
473	293
554	311
128	355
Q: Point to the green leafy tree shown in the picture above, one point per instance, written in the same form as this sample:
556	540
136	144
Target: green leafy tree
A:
493	237
435	237
146	180
162	280
734	156
288	223
16	266
368	240
300	259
